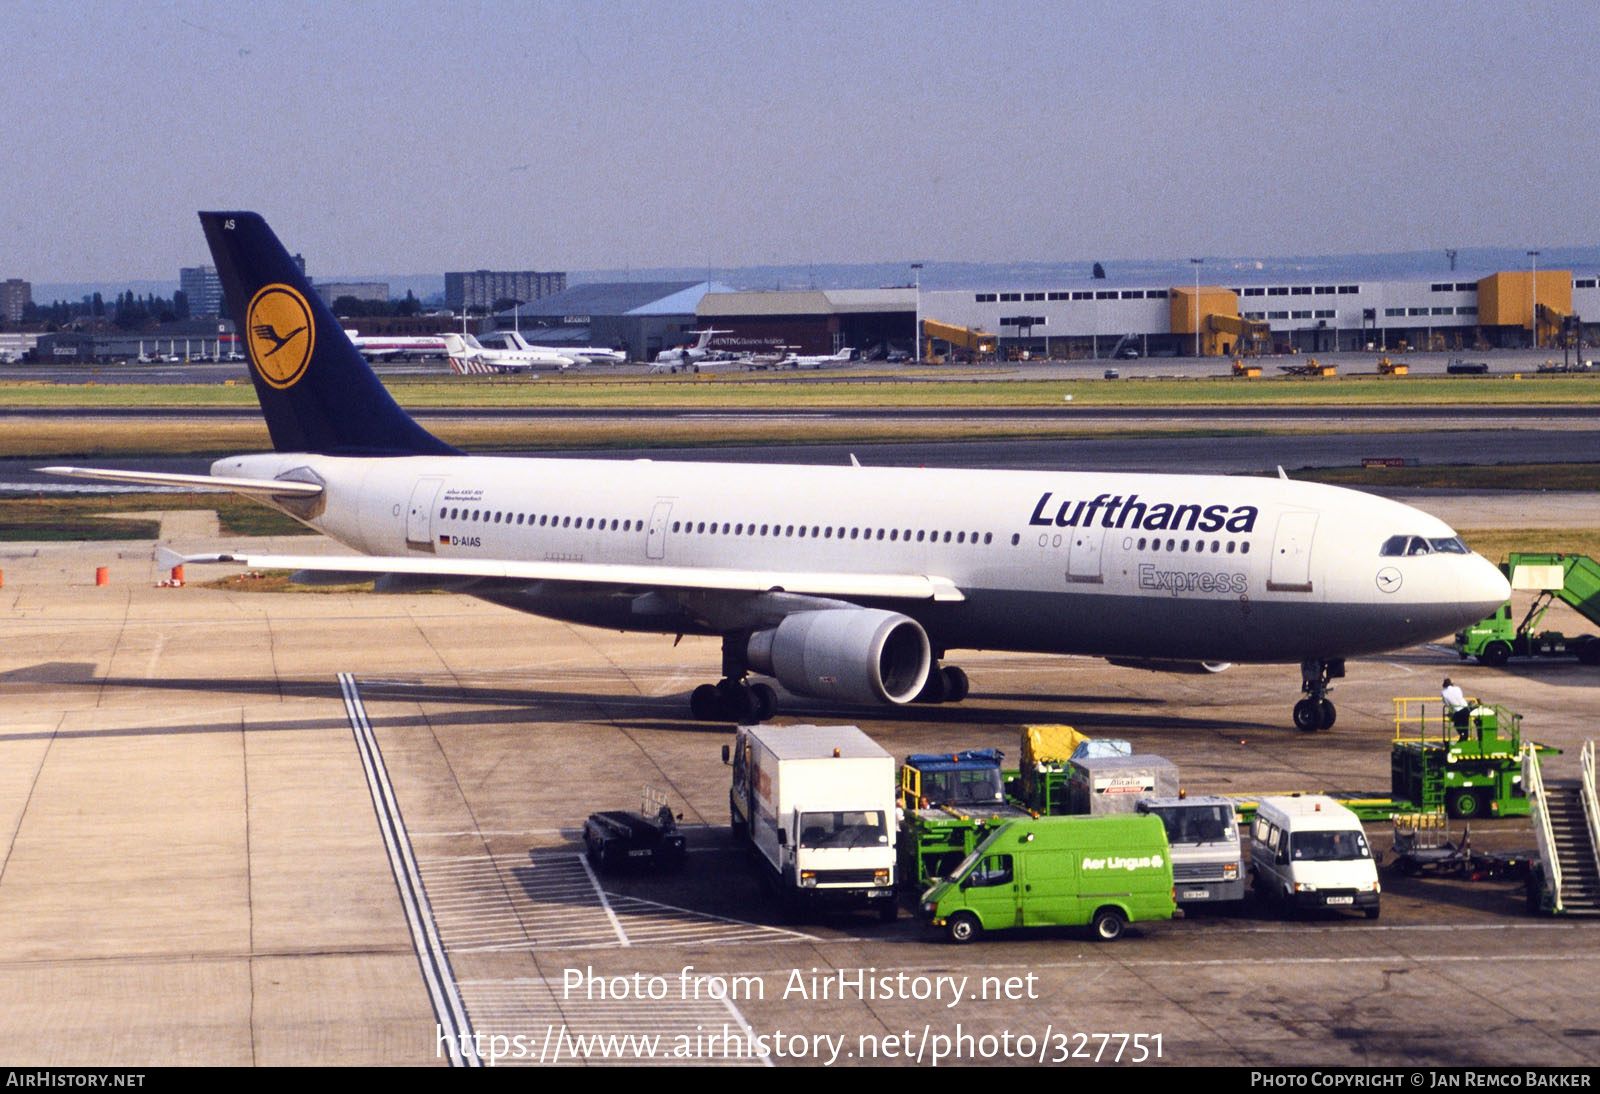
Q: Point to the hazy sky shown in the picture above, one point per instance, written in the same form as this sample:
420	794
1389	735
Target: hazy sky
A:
411	137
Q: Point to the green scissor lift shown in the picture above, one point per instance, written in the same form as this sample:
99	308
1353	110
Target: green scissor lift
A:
1470	770
1436	766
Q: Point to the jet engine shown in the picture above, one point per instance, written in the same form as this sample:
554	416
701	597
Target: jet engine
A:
855	655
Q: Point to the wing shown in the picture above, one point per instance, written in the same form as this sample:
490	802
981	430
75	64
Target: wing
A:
616	575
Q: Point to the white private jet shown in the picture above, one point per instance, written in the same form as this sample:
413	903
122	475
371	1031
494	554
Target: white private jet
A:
848	584
689	358
582	355
467	356
821	360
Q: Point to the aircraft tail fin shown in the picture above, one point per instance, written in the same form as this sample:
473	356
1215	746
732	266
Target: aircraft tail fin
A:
463	361
317	392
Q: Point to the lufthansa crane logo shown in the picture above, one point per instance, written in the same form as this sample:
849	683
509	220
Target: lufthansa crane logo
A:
280	335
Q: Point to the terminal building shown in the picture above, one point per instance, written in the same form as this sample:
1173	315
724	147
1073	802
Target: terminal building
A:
1101	319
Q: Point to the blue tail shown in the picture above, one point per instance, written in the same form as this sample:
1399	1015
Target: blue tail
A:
316	391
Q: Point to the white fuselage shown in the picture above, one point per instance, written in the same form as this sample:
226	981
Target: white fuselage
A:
467	348
1200	568
513	340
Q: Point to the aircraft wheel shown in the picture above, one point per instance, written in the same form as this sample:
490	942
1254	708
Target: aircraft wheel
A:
1495	654
704	702
766	701
956	684
934	690
735	703
1307	715
1327	714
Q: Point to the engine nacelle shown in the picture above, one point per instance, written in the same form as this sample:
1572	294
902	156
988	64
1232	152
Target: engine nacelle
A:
1156	664
856	655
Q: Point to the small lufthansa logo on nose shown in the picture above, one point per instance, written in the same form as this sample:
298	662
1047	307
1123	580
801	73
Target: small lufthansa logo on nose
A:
1388	580
279	334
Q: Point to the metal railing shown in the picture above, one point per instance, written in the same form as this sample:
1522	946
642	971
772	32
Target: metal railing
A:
1422	715
1533	784
1591	808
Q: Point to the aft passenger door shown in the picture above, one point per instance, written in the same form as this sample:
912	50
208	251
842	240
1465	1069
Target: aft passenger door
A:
419	517
655	538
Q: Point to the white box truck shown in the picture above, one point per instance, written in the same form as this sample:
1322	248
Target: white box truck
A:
817	803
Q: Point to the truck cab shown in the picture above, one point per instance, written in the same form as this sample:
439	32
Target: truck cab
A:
1207	859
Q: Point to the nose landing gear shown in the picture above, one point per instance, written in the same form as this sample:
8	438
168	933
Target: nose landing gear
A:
1316	710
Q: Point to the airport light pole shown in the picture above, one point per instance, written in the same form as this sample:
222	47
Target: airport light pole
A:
916	330
1197	262
1534	256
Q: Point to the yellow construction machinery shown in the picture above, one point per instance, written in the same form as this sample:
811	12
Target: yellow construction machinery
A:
970	340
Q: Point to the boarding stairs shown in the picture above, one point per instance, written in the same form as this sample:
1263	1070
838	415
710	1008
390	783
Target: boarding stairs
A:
1566	821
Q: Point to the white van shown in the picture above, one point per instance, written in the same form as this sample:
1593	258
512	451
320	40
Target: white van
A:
1309	851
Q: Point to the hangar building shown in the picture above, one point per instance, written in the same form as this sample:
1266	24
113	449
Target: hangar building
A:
1099	318
641	317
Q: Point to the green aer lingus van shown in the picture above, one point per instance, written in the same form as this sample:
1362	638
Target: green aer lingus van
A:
1058	872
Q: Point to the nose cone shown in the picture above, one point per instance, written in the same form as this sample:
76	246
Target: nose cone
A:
1483	587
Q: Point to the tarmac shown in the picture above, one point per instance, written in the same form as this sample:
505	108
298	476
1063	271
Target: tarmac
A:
248	828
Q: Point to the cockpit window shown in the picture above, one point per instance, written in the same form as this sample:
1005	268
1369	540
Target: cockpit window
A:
1396	546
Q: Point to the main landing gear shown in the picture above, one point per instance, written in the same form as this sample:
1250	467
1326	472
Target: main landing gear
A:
946	684
732	699
735	699
1316	710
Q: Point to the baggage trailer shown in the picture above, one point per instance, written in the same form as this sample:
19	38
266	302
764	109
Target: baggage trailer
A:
1103	785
